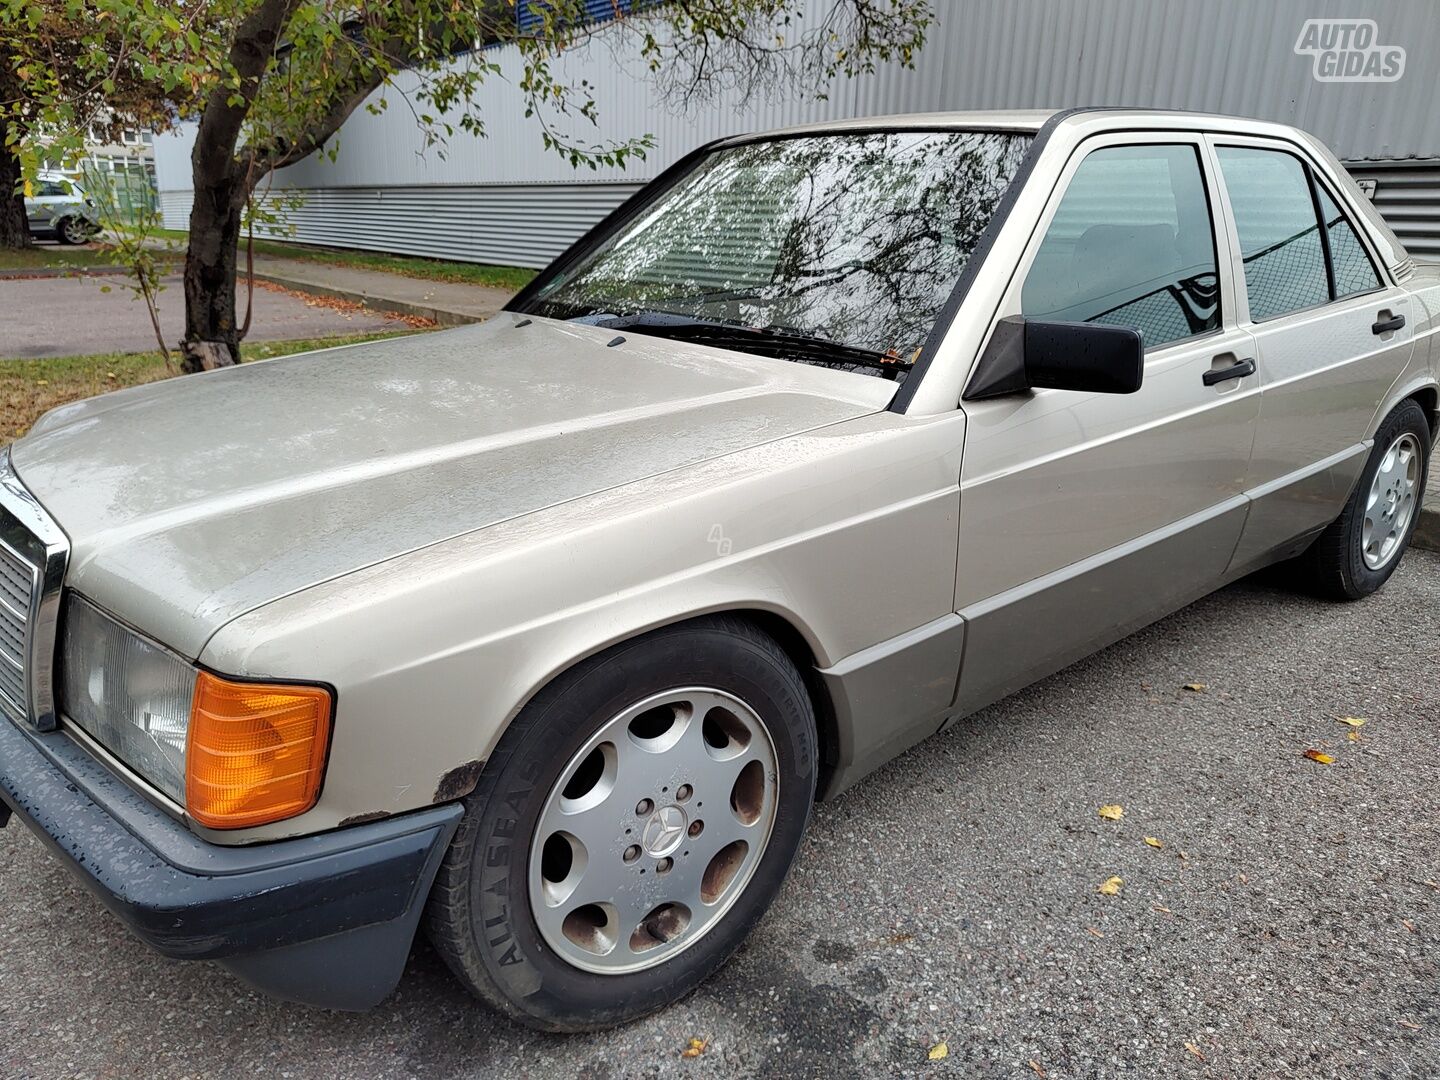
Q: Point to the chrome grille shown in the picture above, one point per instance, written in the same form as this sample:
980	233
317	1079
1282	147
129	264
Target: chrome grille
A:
33	554
18	583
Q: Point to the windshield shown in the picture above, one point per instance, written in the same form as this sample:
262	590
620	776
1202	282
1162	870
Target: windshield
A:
852	240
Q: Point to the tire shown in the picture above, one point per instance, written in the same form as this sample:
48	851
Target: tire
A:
74	231
1346	563
533	919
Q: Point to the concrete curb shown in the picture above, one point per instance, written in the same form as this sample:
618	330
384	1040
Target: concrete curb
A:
441	316
63	271
1427	529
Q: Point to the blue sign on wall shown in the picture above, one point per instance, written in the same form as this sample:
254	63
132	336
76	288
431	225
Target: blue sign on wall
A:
528	13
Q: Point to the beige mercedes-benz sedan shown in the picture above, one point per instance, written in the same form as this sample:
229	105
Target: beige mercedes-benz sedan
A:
547	633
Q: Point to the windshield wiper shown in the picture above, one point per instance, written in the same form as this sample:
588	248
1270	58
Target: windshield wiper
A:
785	344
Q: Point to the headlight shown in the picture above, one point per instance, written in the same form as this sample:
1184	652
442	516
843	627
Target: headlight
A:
131	696
235	754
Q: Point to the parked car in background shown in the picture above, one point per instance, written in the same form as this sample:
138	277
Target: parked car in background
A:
549	632
60	210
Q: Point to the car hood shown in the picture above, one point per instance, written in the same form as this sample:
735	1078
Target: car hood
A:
192	501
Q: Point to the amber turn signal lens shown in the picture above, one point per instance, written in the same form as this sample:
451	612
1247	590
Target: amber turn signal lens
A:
255	751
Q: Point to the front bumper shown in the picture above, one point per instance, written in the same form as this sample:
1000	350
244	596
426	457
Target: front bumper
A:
326	920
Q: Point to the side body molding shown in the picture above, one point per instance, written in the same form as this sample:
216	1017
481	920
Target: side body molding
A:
1286	514
1033	630
890	696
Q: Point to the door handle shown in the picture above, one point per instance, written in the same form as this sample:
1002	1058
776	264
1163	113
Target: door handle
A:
1384	326
1237	370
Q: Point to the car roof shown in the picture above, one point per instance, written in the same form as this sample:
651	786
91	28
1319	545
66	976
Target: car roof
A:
1032	120
993	119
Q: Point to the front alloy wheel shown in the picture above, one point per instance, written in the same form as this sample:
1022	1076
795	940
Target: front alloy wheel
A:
653	829
76	230
631	828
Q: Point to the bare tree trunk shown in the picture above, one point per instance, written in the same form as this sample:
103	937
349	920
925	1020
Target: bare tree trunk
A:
14	222
222	186
212	338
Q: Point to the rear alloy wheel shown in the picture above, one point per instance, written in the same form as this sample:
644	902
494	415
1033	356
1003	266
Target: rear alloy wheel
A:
633	825
1394	497
1359	551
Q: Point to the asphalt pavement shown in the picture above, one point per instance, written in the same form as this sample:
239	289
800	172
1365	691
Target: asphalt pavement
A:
1288	927
59	316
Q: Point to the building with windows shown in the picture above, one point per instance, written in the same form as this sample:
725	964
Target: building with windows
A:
1359	76
126	165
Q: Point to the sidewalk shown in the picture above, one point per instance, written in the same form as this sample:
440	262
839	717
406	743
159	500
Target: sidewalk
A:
447	303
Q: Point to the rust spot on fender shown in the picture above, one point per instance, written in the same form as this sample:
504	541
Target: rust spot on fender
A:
361	819
458	782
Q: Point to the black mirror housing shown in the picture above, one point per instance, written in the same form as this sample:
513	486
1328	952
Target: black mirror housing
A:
1026	354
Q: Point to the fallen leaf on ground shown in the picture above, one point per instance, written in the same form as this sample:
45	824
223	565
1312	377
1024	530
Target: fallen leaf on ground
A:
1410	1024
1093	932
1112	811
1409	926
695	1049
1351	721
1156	844
899	939
938	1051
1195	1050
1111	886
1166	910
1037	1068
1195	687
1319	756
1353	736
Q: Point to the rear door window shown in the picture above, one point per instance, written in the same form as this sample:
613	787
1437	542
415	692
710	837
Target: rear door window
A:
1131	244
1280	242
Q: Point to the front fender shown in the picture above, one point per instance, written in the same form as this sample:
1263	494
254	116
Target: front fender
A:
848	533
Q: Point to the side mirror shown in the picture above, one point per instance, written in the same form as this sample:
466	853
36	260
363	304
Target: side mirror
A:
1026	354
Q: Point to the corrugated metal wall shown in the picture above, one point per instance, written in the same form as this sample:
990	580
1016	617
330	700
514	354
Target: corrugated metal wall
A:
1408	195
512	224
504	198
